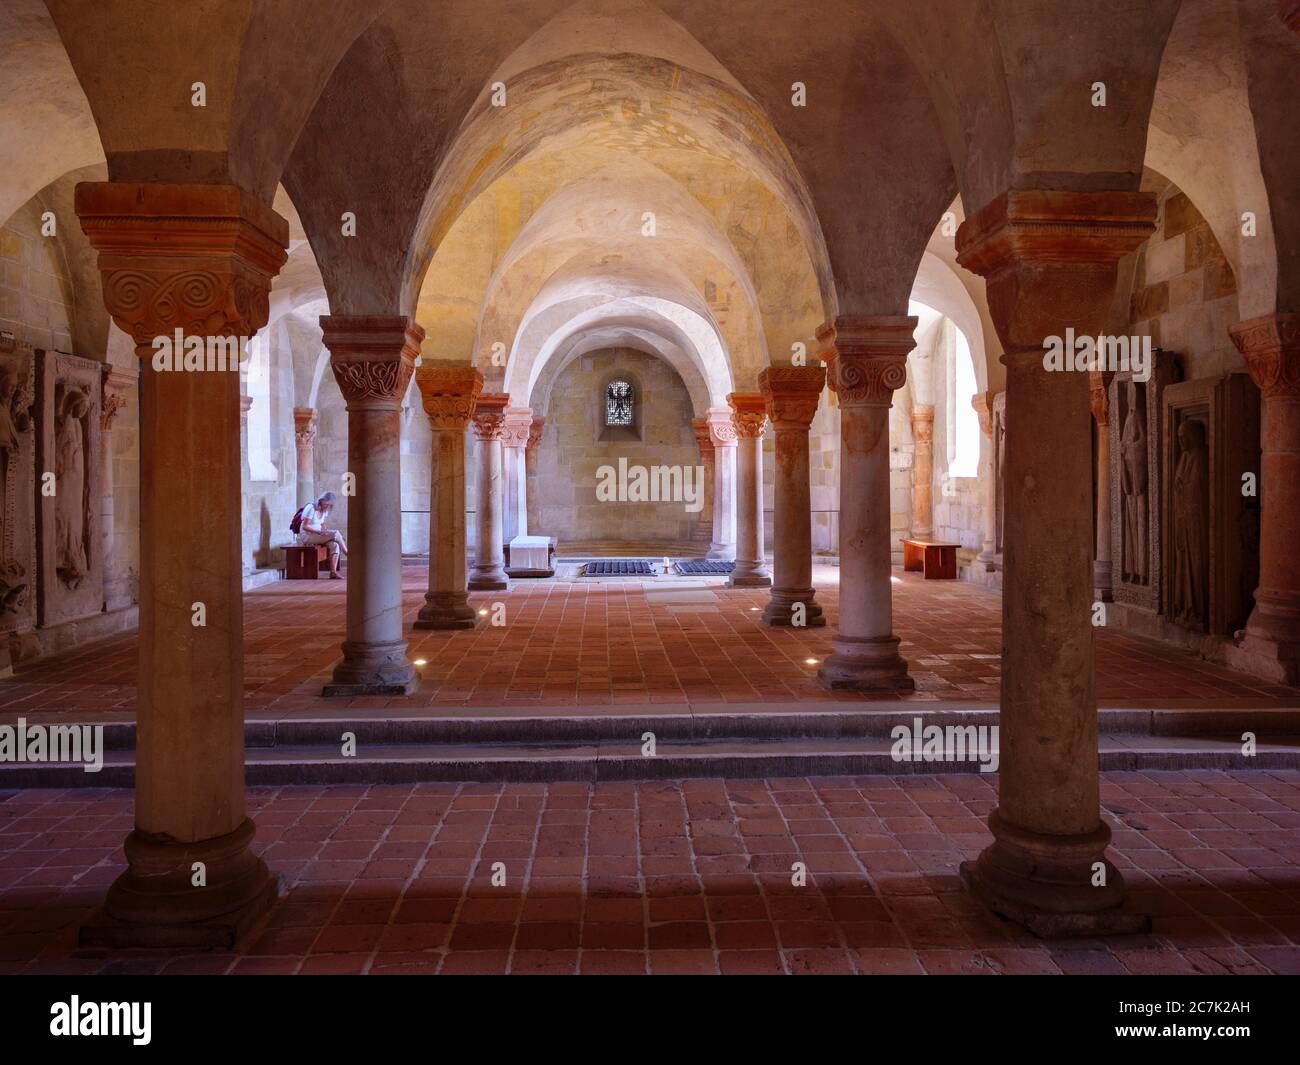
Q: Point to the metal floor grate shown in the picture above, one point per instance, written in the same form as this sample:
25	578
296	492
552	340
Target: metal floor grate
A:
704	568
618	567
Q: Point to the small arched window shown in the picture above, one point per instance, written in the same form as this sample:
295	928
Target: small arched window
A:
619	399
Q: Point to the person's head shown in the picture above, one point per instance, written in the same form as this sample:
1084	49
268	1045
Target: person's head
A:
325	502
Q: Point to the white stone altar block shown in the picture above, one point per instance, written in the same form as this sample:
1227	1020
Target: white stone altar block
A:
530	553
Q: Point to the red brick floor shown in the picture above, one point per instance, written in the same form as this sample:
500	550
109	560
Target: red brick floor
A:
678	876
613	642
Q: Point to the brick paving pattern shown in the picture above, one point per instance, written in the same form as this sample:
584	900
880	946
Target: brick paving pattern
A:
677	877
616	642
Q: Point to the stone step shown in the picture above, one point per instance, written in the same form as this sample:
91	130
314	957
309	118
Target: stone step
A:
609	761
551	725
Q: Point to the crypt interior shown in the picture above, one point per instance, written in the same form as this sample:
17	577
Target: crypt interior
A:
678	372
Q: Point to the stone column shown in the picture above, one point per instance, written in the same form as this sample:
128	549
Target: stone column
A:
198	258
923	471
530	451
514	443
1050	261
983	404
489	572
1271	348
304	433
700	426
1101	582
723	434
115	386
372	359
749	416
449	395
792	394
866	360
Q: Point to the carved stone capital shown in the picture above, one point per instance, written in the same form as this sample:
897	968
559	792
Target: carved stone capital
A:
700	427
535	431
1271	347
1050	258
748	414
449	394
722	430
372	357
517	428
490	415
866	356
198	258
115	385
983	404
791	394
304	425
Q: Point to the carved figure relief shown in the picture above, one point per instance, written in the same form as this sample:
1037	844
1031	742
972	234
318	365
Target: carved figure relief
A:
1134	488
72	506
1189	599
15	421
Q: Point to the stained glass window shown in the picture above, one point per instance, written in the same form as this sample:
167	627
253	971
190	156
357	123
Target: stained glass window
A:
618	403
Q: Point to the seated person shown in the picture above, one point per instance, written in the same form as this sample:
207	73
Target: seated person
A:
313	531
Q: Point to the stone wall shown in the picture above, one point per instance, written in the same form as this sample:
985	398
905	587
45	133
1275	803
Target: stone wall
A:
562	492
35	293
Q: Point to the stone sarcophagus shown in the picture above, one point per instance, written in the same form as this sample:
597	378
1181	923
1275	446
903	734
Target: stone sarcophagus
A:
68	492
18	569
1135	429
1210	505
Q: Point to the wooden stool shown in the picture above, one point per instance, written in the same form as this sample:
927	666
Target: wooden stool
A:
303	563
938	561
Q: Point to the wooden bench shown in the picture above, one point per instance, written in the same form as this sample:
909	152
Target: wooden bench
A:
938	561
304	563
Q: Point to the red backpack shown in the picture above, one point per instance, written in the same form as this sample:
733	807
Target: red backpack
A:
295	523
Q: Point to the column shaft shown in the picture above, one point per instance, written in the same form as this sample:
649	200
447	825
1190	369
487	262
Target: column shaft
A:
1271	644
792	394
372	360
304	433
983	404
489	572
749	418
514	487
923	471
449	395
723	434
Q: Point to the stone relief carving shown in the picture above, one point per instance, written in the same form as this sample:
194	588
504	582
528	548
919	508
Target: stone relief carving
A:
1211	528
1134	483
16	399
69	424
1188	591
71	468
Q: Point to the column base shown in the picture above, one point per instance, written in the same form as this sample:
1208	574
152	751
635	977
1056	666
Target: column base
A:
372	669
865	665
1045	883
446	611
780	608
749	575
155	903
1269	659
488	579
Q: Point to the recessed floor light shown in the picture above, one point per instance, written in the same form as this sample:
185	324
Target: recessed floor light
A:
420	662
812	661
